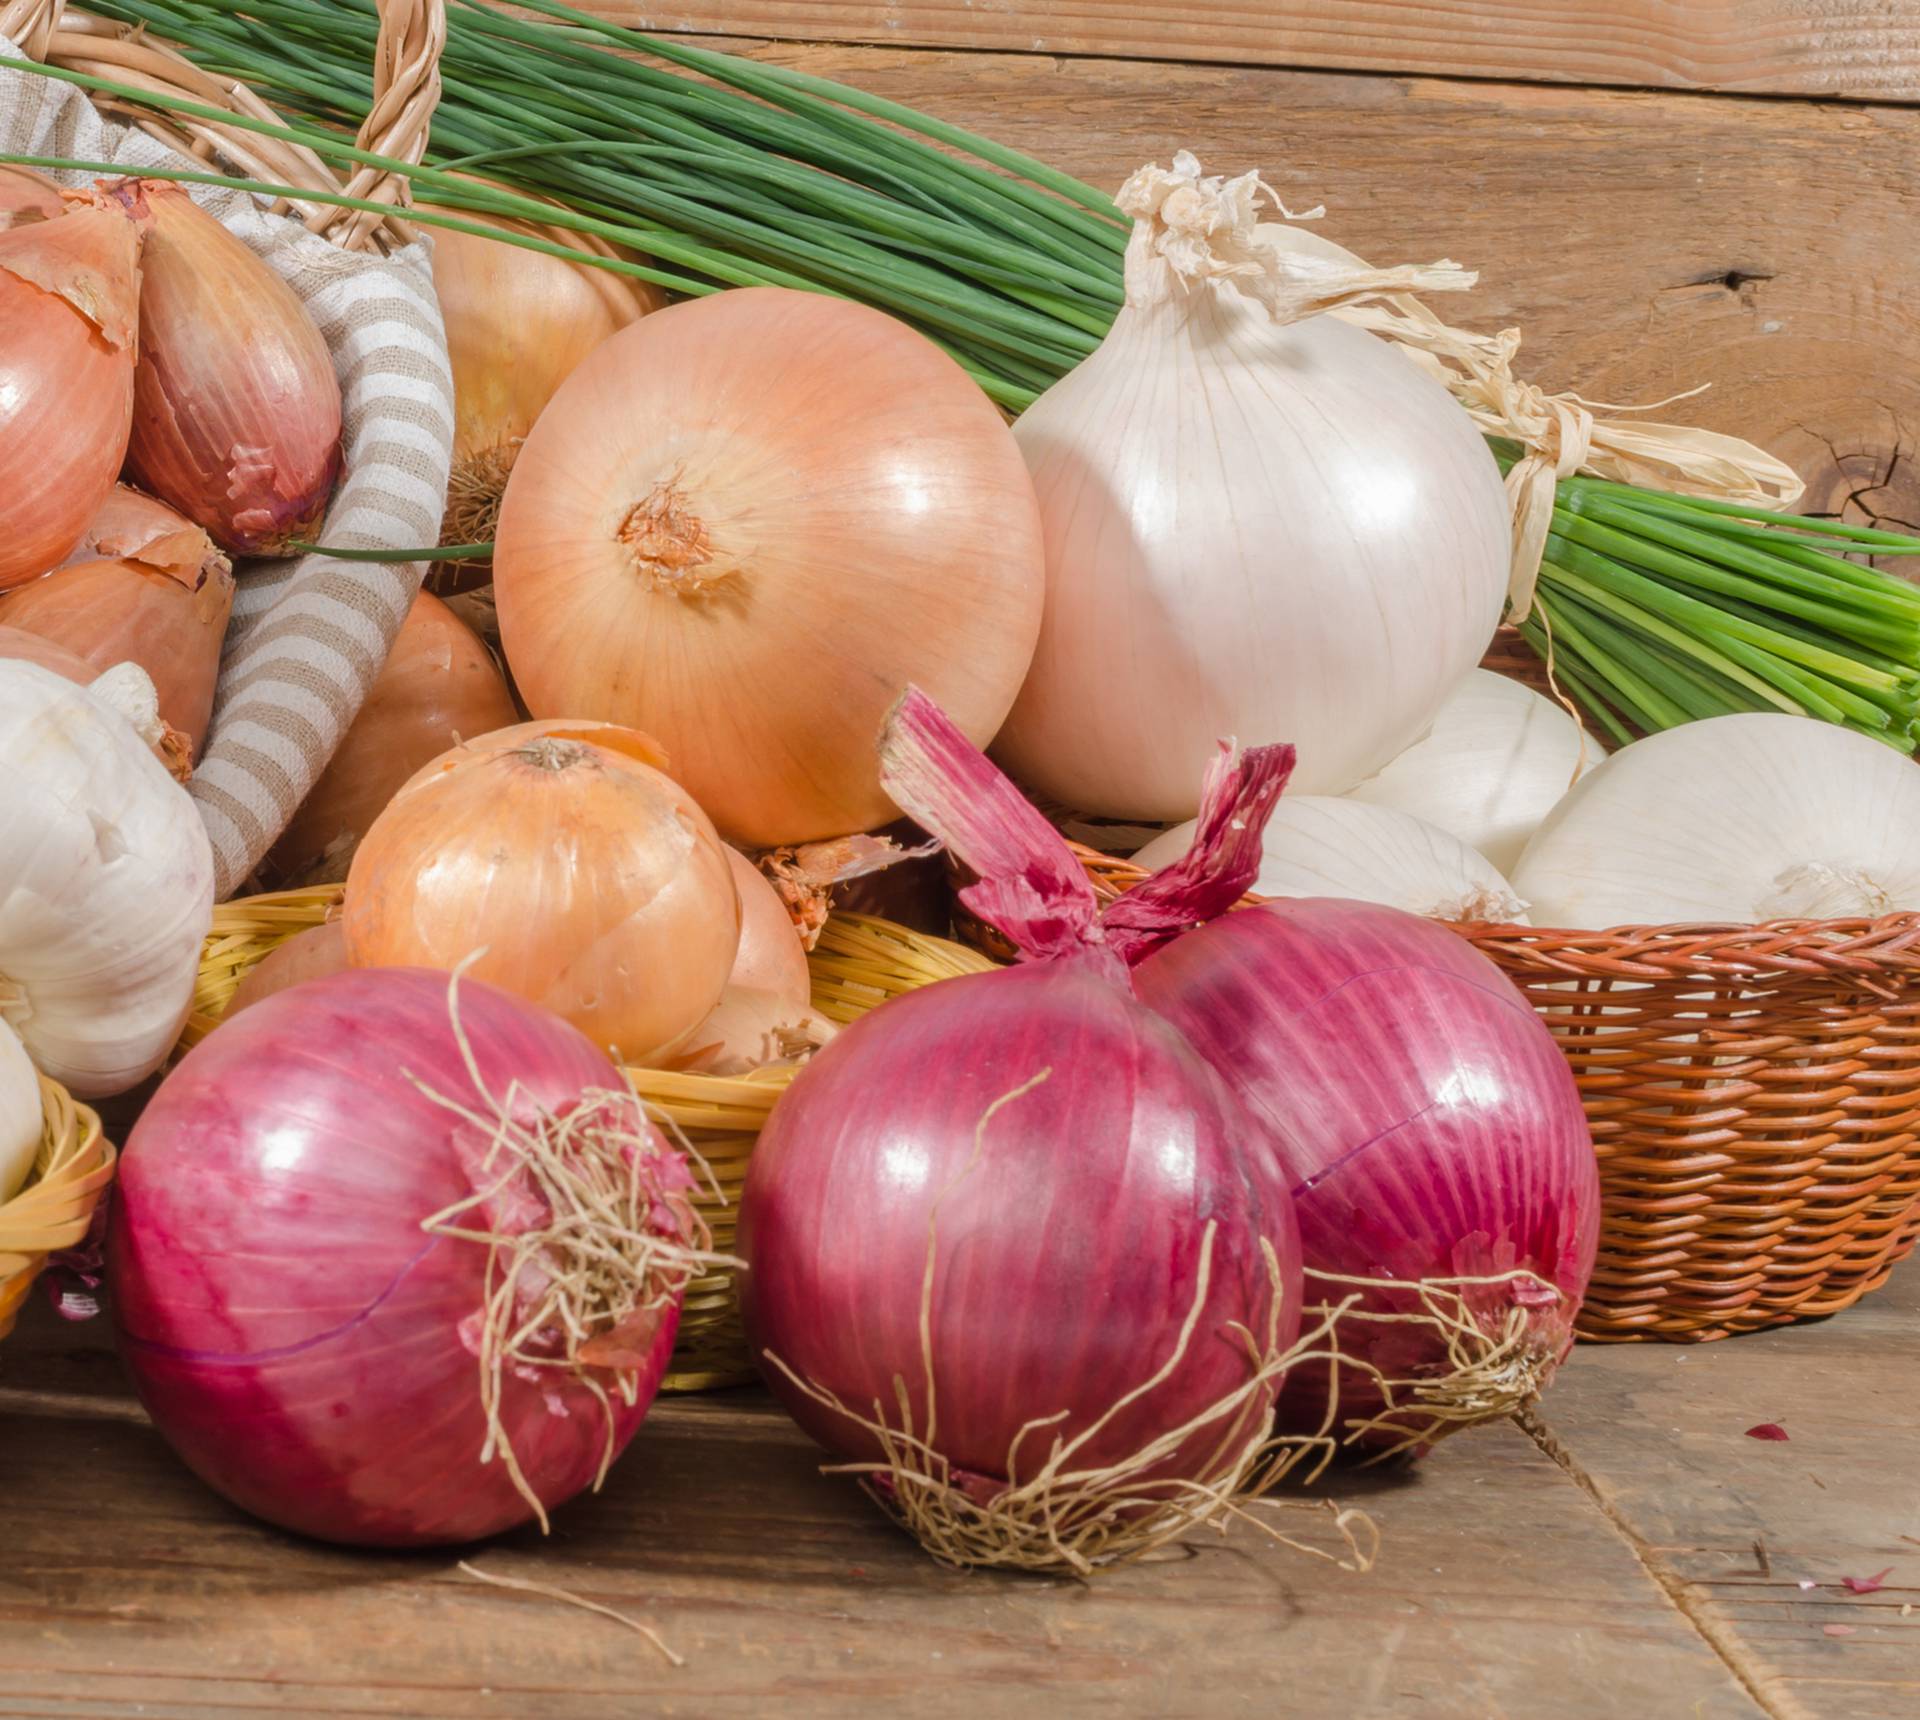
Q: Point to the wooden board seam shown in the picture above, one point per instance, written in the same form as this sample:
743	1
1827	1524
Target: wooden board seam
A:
1755	1678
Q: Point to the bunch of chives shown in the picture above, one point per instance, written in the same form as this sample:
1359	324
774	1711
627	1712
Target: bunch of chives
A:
1655	609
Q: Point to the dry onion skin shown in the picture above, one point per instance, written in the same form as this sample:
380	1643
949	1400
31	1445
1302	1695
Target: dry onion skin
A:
168	619
745	527
771	957
582	878
548	314
312	954
438	687
236	417
69	312
26	196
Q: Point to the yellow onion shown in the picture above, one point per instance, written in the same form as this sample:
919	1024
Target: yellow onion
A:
69	296
745	527
133	526
236	416
162	604
771	956
518	321
438	686
579	876
312	954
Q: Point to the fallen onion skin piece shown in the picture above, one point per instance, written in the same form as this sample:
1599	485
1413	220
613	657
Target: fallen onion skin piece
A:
295	1335
69	298
1428	1127
438	687
237	414
1067	1255
312	954
170	619
745	527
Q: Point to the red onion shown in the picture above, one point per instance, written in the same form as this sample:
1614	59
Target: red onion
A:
1430	1130
298	1314
987	1213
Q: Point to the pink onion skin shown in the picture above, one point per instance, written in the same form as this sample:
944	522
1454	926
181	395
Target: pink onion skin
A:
1426	1122
1066	1260
289	1327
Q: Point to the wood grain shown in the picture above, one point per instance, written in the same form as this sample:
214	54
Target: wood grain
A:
1645	243
126	1588
1759	1533
1866	49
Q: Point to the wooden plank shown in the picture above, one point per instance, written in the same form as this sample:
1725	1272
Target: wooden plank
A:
126	1588
1760	1534
1856	48
1646	243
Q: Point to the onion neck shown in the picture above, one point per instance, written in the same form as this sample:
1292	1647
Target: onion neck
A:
1816	890
669	544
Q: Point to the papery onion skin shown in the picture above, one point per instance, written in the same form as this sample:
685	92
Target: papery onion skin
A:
20	1114
292	1331
1066	1246
748	1030
69	296
499	299
593	883
1423	1118
237	415
18	645
438	686
312	954
745	527
130	612
133	526
26	196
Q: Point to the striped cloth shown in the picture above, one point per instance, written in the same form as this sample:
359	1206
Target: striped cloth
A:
308	636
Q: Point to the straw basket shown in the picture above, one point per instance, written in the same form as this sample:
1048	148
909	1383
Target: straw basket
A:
858	964
308	636
1754	1096
53	1211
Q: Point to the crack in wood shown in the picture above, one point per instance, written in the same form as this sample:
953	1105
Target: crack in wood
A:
1758	1680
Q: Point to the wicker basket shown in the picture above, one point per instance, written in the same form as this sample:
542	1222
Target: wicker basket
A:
1754	1095
308	635
859	964
54	1209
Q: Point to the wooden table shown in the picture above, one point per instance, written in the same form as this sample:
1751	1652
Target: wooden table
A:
1630	1554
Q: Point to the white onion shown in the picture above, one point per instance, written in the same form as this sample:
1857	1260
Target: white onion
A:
1495	762
1731	819
106	886
20	1113
1260	522
1326	845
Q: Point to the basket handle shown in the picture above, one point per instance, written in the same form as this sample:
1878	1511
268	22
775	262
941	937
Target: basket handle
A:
406	90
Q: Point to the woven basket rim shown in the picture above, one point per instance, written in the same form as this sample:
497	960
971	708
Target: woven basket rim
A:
1864	951
55	1206
406	90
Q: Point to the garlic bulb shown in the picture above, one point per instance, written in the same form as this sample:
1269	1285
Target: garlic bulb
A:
1497	759
106	886
20	1113
1761	816
1326	845
1259	522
